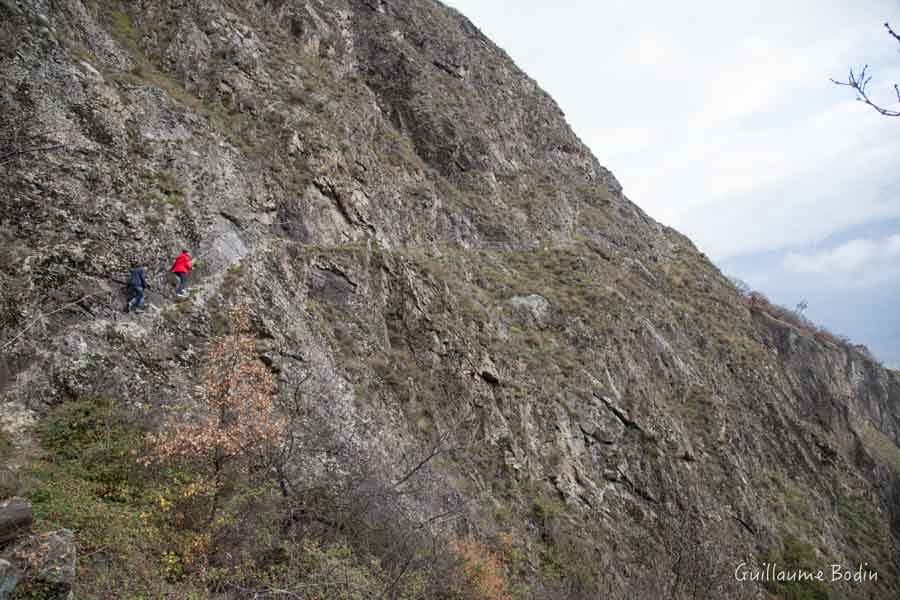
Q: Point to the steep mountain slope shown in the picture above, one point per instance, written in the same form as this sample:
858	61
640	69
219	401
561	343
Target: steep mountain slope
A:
426	245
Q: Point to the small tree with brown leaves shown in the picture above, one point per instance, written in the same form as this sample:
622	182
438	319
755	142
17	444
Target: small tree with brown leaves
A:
482	572
239	426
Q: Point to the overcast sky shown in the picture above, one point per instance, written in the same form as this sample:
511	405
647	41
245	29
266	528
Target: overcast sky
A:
719	120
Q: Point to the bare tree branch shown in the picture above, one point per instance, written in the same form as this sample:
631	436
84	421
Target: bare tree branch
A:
893	33
42	316
25	132
860	80
9	157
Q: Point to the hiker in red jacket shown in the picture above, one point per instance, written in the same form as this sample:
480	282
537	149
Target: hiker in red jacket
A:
181	268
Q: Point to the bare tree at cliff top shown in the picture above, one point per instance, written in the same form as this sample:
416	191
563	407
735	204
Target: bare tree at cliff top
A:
859	80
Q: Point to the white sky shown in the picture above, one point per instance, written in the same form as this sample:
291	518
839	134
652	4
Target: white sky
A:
719	120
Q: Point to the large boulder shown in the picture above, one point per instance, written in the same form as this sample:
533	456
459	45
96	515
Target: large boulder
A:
15	519
50	570
531	310
9	577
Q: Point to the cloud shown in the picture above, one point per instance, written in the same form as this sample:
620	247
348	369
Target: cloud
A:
860	262
719	118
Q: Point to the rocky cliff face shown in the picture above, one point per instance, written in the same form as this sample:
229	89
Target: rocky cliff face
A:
423	238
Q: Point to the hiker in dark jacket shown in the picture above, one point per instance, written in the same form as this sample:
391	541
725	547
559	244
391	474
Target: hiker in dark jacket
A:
137	284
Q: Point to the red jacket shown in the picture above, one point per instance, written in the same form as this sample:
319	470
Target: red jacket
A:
182	263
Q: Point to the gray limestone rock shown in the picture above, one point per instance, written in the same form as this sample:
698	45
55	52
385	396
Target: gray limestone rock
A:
9	577
531	310
15	519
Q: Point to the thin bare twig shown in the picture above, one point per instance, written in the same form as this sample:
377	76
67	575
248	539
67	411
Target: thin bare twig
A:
893	33
859	81
37	319
5	158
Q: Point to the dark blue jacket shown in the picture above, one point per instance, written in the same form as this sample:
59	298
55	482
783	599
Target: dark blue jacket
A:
138	278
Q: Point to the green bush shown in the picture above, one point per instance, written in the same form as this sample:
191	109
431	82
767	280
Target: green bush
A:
87	480
9	480
93	441
6	445
797	555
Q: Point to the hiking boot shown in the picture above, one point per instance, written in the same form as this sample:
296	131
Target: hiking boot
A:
182	294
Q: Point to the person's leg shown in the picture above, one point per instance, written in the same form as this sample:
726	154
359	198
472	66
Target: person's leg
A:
139	298
132	297
182	280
